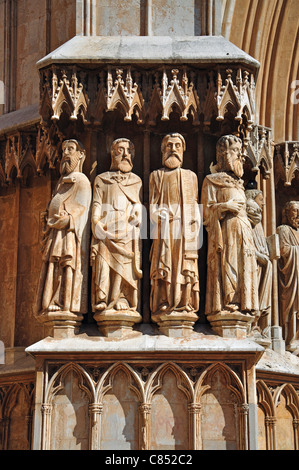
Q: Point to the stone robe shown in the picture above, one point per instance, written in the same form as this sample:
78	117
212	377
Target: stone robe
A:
174	251
288	269
231	263
264	270
115	197
66	247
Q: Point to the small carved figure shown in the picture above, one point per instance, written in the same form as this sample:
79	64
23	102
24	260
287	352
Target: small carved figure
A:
175	216
232	285
115	220
255	204
288	269
63	281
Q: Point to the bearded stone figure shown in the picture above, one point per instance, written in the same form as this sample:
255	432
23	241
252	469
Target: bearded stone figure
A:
115	248
62	293
255	204
288	269
175	220
232	285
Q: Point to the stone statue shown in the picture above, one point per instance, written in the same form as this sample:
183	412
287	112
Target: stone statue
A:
175	218
65	244
232	285
115	249
255	204
288	270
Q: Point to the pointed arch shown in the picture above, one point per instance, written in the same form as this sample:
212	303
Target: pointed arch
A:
106	382
233	382
183	382
291	396
265	399
56	384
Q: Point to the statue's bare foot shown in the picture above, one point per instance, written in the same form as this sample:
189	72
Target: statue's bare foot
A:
163	307
101	306
232	307
54	308
122	304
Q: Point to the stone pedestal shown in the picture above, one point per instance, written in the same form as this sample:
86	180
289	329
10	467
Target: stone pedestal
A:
117	323
278	344
61	324
231	324
175	324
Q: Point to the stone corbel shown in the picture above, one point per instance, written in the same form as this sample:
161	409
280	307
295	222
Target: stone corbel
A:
286	161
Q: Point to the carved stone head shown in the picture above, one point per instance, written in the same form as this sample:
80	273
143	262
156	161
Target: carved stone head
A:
291	214
73	156
257	196
172	148
122	155
229	155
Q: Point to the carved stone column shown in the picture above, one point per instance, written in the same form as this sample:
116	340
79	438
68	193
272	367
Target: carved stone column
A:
95	412
243	426
46	410
144	412
194	429
296	433
270	424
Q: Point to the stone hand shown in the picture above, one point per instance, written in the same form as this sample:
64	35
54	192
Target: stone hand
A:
262	259
62	221
233	206
163	214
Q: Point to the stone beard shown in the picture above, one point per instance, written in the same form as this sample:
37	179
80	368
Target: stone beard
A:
63	280
115	250
175	217
231	262
288	270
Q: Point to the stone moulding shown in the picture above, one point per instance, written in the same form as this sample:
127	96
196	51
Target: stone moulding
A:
148	50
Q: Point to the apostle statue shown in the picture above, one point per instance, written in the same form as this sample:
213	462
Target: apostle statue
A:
65	245
232	285
255	204
175	220
115	249
288	270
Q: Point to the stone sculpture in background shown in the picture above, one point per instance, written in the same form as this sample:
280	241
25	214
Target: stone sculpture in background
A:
232	284
255	204
288	270
63	288
175	221
116	245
